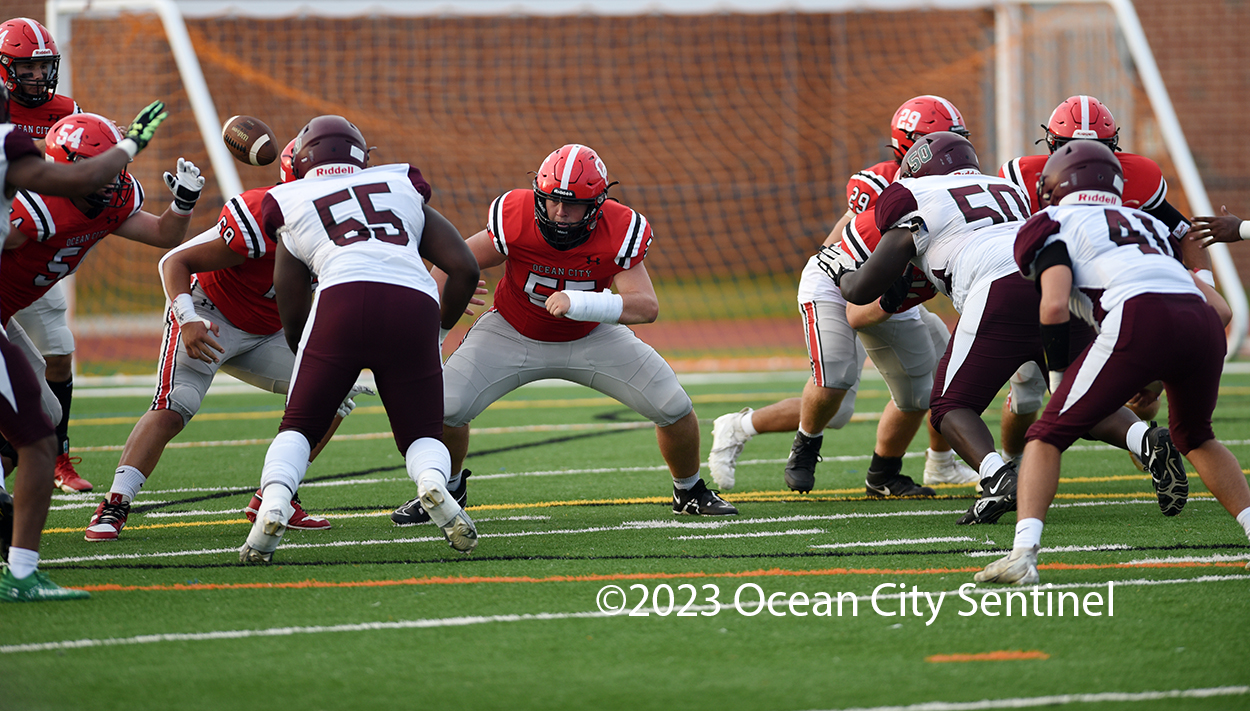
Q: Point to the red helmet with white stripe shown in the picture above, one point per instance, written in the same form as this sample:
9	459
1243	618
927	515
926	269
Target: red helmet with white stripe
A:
286	173
29	61
80	136
573	175
1081	117
921	116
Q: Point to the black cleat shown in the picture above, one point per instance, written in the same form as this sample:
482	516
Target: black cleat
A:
1167	470
699	500
801	467
998	496
411	513
897	486
6	524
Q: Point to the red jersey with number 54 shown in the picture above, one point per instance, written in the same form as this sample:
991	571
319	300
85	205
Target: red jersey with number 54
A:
58	235
535	269
244	293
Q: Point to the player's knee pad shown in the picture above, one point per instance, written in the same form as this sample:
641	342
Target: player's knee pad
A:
1027	392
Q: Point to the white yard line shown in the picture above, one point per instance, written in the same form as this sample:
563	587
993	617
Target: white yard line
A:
902	541
1061	699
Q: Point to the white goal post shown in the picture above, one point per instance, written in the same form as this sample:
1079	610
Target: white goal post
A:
1011	123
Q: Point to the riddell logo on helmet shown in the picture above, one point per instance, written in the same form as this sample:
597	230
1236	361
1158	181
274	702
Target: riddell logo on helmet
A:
334	169
1087	197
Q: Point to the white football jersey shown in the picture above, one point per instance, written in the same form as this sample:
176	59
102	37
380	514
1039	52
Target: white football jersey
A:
963	226
1117	253
365	226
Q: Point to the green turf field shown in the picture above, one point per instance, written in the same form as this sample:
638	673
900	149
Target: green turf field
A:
571	497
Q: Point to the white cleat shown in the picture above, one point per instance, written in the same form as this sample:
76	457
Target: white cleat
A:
457	527
1019	568
952	471
265	535
728	439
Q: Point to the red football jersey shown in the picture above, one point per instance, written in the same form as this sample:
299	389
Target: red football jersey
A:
861	237
1144	186
38	120
535	269
58	235
244	293
864	187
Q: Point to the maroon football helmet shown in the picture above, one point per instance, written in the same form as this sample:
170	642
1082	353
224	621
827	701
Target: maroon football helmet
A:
940	153
330	143
1087	169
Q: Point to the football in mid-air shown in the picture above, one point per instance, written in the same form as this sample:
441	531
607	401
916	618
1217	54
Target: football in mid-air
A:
250	140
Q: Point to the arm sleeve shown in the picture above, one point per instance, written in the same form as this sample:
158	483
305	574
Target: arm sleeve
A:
894	206
271	217
1030	241
419	182
19	144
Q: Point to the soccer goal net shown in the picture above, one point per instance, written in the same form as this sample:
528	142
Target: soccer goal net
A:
732	127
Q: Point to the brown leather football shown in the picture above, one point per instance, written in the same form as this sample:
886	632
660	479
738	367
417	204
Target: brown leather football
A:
250	140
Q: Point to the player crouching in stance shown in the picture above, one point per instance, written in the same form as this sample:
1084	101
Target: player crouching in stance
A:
563	245
364	232
1119	270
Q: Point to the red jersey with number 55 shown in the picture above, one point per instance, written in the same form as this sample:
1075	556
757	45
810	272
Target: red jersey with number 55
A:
244	293
865	186
535	269
58	236
1144	186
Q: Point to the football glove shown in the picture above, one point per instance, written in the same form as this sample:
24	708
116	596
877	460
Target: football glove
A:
144	127
908	290
186	186
349	403
835	262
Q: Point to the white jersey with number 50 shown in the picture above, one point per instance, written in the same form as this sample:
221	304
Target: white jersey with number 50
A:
364	226
963	226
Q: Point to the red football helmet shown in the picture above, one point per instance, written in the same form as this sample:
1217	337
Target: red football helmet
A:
940	153
331	144
26	42
286	173
80	136
575	175
1087	170
921	116
1081	117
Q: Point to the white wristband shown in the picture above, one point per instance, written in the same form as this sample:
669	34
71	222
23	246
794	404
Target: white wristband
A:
130	146
184	311
173	207
1244	229
1206	276
442	337
602	306
1055	377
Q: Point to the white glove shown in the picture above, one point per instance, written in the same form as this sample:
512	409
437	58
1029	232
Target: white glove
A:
835	262
186	186
349	403
1056	379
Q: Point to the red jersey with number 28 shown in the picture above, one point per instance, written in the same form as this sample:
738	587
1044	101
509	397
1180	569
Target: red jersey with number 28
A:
58	235
244	293
535	269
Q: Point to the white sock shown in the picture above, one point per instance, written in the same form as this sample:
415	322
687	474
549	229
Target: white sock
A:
688	483
127	481
748	426
992	463
1013	458
285	464
22	561
454	482
1028	533
811	436
1244	519
1135	440
939	457
425	454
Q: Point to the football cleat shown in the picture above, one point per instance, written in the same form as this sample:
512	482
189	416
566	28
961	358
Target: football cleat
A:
300	520
265	535
67	478
951	470
728	439
1167	470
801	467
1018	567
108	520
35	588
443	510
6	524
412	513
896	486
998	496
699	500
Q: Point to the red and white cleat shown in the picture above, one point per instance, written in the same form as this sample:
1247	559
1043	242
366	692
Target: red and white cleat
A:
109	519
67	478
300	520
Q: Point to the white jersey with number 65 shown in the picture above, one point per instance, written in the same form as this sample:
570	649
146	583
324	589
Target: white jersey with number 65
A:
363	226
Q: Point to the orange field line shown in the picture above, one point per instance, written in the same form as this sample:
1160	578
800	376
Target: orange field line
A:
601	577
999	656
